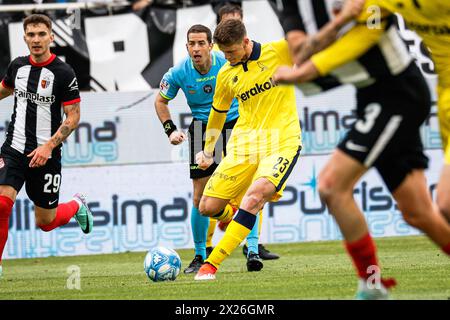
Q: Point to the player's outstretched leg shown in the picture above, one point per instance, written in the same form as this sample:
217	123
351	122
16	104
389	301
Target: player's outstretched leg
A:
200	229
336	182
256	196
237	231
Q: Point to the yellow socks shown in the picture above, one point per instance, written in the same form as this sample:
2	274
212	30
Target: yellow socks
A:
237	231
211	228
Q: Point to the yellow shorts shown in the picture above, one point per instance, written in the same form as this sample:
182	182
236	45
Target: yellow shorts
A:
444	120
235	174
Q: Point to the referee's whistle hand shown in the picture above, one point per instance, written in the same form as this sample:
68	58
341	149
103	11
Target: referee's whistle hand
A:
177	137
203	161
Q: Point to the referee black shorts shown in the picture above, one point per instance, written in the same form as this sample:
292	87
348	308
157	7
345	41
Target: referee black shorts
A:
196	135
386	134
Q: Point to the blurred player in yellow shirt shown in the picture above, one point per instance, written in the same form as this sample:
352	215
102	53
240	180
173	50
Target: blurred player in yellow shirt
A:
431	20
252	250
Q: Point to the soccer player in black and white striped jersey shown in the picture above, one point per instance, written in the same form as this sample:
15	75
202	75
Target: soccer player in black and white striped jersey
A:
44	88
393	100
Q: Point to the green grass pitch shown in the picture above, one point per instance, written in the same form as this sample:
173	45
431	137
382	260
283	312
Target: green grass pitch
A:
313	270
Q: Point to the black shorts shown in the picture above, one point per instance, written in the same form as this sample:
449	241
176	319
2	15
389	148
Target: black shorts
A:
41	184
386	134
197	143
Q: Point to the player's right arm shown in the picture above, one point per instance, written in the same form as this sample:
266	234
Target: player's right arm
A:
7	84
168	90
162	110
5	91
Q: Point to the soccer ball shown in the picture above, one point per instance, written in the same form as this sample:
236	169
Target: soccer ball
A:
162	264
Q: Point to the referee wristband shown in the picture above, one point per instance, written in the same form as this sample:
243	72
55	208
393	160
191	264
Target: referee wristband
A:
169	127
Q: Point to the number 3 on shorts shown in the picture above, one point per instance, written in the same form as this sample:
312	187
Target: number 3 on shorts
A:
371	112
52	183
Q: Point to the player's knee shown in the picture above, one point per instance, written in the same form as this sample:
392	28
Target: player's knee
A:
202	208
333	194
208	208
43	219
443	203
414	220
326	187
415	213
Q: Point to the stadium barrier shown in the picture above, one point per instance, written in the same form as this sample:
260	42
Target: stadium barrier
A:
137	207
141	195
117	49
69	6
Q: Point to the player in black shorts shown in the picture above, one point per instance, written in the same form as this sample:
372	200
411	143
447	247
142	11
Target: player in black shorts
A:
393	100
43	86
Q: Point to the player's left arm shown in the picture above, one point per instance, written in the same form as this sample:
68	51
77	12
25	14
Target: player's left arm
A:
41	154
7	84
5	91
348	48
70	97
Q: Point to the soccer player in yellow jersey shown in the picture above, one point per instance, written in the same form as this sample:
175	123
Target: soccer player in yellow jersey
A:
431	20
385	136
265	143
252	250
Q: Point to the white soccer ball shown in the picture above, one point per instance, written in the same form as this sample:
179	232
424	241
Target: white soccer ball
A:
162	264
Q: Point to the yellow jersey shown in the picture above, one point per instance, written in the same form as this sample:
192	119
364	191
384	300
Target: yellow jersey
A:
268	118
430	19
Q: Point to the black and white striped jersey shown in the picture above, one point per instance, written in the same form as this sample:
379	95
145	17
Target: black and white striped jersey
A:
389	57
40	92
